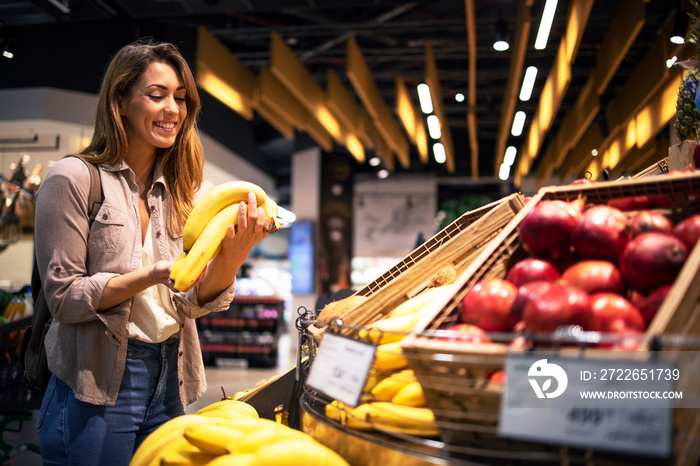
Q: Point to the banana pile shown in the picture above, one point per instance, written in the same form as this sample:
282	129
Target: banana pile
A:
230	432
393	399
207	225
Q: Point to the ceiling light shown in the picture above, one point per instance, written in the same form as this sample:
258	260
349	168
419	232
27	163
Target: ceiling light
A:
459	97
671	61
528	83
7	51
500	43
426	102
439	153
680	25
374	161
550	7
594	152
509	158
504	172
434	127
678	40
383	173
518	124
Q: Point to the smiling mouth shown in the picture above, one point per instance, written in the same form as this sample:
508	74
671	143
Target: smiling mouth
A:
167	126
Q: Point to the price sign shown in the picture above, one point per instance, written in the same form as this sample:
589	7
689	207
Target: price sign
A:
623	406
341	367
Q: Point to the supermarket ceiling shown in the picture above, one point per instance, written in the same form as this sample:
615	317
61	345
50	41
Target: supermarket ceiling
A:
599	56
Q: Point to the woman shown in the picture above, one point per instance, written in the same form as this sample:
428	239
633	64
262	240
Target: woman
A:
123	345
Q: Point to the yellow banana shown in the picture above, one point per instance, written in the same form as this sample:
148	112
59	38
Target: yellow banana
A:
252	441
353	418
249	424
215	201
388	330
302	453
381	415
247	459
214	439
429	301
205	247
172	429
184	456
373	378
177	265
408	419
231	404
389	387
410	395
389	357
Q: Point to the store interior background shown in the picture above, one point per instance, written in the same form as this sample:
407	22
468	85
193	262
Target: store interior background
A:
358	224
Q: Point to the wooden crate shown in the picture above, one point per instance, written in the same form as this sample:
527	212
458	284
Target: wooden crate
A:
659	168
457	244
454	375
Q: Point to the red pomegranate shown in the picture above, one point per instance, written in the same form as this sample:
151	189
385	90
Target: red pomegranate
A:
594	276
561	305
647	221
488	303
546	230
601	233
613	313
532	269
651	260
466	333
526	292
649	305
662	201
688	231
627	204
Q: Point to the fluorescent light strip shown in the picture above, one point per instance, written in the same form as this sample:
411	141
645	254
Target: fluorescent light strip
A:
434	127
509	158
439	153
528	83
426	103
504	172
518	124
545	24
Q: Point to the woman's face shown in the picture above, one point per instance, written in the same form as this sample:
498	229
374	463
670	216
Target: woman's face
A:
154	111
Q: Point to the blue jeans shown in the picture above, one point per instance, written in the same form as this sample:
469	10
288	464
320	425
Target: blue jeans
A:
73	432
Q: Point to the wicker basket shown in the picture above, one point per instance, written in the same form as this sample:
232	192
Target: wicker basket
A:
454	375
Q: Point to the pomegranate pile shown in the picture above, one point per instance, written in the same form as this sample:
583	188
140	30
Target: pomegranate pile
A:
605	268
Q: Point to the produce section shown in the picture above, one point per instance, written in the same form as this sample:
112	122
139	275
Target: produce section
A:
609	279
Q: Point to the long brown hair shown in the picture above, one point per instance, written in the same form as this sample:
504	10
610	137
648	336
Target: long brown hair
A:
182	163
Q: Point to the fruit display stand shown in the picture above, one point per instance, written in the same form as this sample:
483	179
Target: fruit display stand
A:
454	374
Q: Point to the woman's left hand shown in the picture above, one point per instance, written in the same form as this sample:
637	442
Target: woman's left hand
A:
235	247
249	231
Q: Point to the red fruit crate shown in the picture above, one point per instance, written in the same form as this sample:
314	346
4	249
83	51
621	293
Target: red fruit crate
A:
455	375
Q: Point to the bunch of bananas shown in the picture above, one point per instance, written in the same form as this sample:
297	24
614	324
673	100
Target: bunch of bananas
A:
393	399
230	432
207	225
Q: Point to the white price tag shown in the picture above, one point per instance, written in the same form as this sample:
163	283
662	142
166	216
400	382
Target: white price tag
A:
621	406
341	367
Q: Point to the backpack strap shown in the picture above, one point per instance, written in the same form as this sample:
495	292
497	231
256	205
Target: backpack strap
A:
95	196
